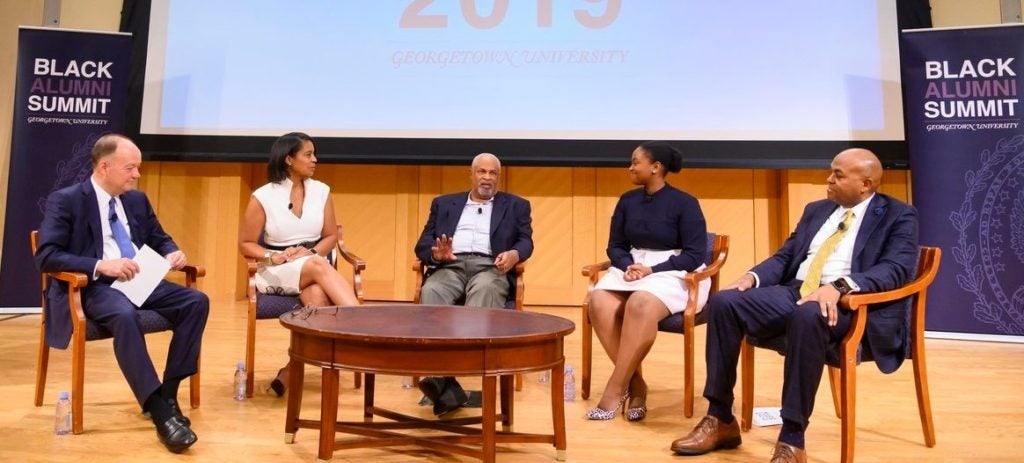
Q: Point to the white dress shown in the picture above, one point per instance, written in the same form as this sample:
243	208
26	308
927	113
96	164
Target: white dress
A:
666	286
284	229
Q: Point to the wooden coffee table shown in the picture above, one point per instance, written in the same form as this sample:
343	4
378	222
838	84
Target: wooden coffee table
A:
420	340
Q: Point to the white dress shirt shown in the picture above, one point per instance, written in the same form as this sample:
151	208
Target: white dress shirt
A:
110	249
473	233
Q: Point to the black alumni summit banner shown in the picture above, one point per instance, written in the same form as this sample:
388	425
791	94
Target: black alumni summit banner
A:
966	139
71	88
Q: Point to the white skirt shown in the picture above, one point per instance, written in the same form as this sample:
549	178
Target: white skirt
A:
666	286
282	280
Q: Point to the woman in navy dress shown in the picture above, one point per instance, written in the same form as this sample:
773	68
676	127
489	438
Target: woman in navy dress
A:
658	234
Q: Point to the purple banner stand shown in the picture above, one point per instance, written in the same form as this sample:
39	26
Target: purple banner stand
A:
71	89
966	140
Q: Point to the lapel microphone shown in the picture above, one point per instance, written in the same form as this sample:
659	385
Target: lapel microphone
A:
842	226
479	210
289	206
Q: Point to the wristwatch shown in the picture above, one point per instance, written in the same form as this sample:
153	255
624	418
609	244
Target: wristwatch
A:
266	257
842	286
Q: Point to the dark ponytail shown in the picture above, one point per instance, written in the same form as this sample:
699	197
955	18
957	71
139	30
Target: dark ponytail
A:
668	155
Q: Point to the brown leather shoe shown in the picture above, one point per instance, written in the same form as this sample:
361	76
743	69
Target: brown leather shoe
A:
710	434
785	453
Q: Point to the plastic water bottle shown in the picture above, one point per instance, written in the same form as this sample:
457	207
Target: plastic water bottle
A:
544	377
239	390
570	384
62	421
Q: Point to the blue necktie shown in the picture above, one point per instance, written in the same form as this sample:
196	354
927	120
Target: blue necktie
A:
120	234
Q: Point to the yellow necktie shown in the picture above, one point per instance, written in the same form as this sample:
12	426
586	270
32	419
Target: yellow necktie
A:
813	279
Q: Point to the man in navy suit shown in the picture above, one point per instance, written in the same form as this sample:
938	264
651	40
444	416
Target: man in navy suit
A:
471	244
868	243
94	228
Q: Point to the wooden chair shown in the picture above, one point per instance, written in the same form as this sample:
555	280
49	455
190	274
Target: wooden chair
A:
843	369
265	306
515	298
679	323
84	330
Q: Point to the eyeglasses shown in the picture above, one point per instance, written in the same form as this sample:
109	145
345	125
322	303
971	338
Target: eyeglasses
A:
303	313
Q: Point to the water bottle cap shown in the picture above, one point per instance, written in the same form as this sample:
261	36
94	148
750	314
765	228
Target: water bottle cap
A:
241	365
568	368
63	395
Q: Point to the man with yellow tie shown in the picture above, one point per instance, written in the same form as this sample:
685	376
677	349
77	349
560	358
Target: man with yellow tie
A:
857	240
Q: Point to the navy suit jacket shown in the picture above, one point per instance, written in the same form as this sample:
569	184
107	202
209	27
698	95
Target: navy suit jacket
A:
510	224
884	258
71	240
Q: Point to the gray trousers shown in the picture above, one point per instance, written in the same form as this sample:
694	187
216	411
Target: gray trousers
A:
473	277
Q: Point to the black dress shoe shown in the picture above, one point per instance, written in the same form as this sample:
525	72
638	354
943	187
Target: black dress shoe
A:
175	435
173	403
451	399
432	387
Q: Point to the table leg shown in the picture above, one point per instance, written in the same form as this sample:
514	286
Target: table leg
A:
368	389
507	401
296	378
488	418
328	413
558	408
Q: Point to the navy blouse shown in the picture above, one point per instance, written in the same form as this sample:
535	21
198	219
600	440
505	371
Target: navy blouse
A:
668	219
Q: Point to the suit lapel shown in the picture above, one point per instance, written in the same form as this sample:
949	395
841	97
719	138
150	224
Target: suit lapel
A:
452	214
872	217
92	218
133	224
498	212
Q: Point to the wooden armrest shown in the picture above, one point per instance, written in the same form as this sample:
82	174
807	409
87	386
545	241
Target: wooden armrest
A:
856	300
251	266
358	264
75	279
593	270
194	271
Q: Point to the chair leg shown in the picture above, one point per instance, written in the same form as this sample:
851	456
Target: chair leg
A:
193	384
250	354
77	381
588	332
519	381
368	397
357	380
42	363
924	402
688	374
848	394
833	380
747	385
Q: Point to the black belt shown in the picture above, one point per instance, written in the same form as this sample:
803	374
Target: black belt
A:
305	244
474	254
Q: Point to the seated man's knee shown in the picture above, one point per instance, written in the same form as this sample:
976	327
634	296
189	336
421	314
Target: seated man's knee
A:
806	316
721	304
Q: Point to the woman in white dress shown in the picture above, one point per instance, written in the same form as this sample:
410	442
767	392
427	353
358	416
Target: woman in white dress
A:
657	234
296	217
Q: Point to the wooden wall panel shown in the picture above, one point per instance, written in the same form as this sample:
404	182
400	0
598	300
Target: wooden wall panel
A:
383	209
550	274
200	206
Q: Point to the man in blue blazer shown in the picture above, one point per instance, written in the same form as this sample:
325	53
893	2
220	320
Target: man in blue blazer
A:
471	244
95	228
857	240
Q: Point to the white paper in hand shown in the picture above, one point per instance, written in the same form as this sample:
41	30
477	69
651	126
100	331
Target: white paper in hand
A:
152	269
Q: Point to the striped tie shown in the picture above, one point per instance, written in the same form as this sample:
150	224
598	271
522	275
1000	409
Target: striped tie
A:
813	279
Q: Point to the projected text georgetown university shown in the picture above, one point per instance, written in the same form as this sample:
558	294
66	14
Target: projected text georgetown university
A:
72	88
982	90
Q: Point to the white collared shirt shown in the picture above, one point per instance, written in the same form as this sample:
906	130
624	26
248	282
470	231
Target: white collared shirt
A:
110	249
473	233
839	263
